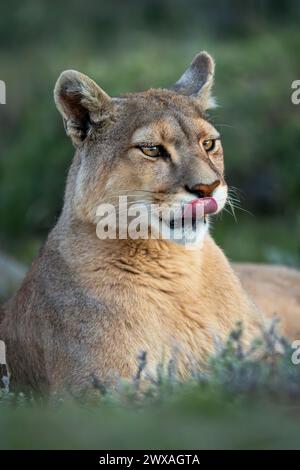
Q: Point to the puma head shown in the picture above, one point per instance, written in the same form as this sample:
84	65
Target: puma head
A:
154	147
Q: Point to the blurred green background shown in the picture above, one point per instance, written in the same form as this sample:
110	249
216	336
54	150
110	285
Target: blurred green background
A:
130	46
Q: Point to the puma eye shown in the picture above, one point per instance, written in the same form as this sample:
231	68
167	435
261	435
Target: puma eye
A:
153	151
209	144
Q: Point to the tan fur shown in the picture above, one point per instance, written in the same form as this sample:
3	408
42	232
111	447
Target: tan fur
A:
87	306
276	291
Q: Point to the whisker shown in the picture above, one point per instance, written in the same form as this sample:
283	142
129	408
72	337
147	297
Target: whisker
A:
146	204
241	209
233	199
225	125
232	209
236	191
120	195
228	212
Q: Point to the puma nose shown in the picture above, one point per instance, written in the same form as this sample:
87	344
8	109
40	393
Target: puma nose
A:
203	190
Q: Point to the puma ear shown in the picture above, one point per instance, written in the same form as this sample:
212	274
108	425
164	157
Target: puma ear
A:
197	80
81	103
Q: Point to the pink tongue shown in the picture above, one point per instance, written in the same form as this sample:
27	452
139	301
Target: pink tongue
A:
201	207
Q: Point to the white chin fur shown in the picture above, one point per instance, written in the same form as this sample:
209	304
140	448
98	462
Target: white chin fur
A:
187	236
220	195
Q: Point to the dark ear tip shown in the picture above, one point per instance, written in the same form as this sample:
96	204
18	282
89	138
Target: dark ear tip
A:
204	61
69	75
63	83
66	78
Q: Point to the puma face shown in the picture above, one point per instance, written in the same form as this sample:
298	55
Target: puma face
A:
155	149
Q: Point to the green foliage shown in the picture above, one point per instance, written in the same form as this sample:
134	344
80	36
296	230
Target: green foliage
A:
247	398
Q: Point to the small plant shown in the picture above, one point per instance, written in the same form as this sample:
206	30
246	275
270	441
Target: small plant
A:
237	402
264	369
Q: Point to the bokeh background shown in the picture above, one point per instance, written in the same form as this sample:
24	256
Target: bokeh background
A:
135	44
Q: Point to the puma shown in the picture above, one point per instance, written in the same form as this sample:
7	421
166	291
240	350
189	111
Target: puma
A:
88	306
